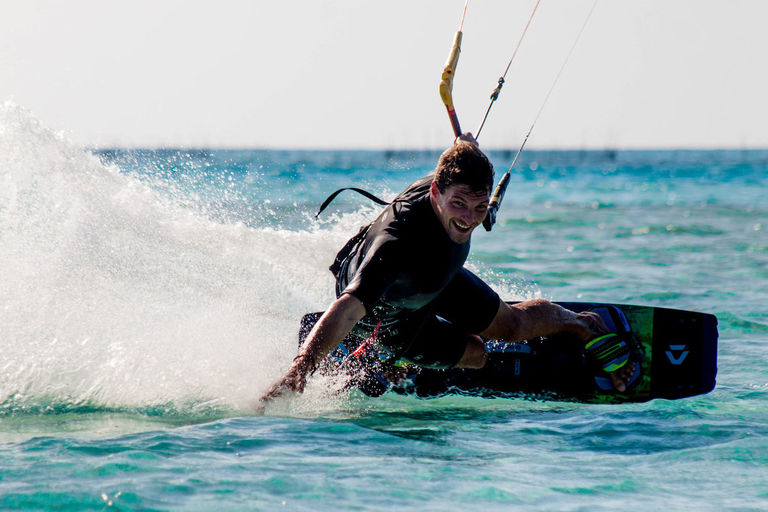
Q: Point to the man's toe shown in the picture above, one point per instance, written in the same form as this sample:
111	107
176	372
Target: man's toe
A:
620	378
618	382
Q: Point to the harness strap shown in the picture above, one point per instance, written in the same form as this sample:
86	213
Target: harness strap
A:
360	191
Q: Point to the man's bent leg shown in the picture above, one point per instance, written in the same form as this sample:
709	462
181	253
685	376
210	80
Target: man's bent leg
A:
539	317
475	356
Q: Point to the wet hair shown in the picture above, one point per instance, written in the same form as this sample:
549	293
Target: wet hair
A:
464	164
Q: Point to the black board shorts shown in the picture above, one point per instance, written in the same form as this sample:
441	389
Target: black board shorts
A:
436	335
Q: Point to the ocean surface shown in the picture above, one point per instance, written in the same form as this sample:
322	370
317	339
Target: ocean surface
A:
148	298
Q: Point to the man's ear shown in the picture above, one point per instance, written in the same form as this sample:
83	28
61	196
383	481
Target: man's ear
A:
433	190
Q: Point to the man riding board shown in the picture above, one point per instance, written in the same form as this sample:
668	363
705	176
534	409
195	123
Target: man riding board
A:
402	281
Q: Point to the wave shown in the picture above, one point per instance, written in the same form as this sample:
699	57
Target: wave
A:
116	294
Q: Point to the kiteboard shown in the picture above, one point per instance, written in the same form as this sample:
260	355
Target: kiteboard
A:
674	353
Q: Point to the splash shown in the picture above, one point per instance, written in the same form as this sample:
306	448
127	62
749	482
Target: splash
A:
117	295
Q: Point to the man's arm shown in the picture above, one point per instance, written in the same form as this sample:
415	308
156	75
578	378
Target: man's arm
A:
538	317
327	333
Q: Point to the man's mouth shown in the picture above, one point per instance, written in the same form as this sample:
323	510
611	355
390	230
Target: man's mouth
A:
461	226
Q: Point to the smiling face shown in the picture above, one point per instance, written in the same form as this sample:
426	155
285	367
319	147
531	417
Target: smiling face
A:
459	209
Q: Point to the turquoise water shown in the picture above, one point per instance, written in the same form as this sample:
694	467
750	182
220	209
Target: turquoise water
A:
147	298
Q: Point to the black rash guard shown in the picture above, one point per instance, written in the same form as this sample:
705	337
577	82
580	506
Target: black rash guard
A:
405	260
410	278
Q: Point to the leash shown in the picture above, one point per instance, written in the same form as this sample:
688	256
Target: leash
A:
367	343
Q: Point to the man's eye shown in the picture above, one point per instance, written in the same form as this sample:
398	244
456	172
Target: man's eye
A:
482	208
458	204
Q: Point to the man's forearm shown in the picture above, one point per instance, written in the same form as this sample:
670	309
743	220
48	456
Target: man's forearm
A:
331	329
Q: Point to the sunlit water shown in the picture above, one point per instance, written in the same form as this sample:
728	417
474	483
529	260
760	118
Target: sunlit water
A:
147	298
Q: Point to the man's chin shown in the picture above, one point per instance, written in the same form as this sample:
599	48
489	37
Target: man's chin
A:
460	237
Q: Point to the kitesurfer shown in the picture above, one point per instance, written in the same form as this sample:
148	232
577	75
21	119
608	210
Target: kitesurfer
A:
402	281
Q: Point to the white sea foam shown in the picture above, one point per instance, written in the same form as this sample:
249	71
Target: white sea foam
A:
114	294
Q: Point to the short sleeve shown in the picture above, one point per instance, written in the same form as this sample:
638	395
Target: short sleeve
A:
375	275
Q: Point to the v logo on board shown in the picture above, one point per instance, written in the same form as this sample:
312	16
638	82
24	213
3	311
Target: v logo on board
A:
678	359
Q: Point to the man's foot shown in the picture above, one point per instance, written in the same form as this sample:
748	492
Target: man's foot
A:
609	355
622	377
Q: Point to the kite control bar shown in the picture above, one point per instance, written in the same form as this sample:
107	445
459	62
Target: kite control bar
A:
449	70
446	83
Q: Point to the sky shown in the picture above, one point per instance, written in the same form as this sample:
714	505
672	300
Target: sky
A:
351	74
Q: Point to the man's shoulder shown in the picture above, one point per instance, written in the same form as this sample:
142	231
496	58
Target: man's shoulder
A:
416	190
406	229
413	206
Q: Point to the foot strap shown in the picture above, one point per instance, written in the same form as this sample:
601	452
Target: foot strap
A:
608	352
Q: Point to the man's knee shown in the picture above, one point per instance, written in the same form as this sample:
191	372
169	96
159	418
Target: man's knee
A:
475	355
